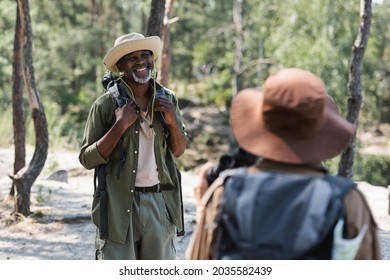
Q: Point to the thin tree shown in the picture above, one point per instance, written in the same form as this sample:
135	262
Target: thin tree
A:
166	38
238	40
18	114
156	18
26	176
355	85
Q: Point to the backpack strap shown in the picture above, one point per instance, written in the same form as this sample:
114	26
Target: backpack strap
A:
340	186
343	184
160	116
182	232
100	173
101	193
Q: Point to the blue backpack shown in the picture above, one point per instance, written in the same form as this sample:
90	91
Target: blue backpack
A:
279	216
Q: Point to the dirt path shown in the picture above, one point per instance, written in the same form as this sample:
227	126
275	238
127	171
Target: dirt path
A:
61	228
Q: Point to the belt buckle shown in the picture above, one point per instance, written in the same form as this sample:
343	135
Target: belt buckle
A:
158	189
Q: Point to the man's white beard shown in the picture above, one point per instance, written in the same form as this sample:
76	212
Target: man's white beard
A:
142	80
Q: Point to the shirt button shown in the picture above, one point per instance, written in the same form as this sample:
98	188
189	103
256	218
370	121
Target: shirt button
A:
128	210
135	152
133	171
136	132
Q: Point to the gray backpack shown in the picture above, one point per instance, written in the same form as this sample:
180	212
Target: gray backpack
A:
279	216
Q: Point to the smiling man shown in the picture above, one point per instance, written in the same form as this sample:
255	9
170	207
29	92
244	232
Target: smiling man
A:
138	148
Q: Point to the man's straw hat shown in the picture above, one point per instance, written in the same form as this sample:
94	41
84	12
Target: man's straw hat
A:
129	43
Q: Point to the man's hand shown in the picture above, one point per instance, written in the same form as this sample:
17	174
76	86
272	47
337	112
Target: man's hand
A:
127	115
124	118
167	108
177	141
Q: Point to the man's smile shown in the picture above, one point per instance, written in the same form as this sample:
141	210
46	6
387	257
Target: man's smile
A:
140	69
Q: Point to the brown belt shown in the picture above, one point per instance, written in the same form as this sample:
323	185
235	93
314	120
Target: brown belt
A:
155	188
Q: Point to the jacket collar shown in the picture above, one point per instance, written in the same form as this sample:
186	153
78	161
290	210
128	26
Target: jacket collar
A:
274	166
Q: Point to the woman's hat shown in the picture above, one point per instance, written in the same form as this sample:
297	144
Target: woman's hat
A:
129	43
291	119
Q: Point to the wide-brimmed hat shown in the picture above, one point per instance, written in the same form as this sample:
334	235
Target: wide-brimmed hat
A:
291	119
129	43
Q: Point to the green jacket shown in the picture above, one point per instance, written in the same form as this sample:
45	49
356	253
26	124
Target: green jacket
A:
121	175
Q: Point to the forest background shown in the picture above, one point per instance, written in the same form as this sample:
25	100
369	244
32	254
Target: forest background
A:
70	38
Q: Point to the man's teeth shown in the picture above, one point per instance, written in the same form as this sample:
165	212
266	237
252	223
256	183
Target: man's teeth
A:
139	70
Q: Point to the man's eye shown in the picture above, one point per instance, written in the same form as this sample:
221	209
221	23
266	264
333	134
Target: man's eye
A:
131	59
146	55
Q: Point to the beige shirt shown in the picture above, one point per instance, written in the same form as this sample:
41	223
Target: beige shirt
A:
147	174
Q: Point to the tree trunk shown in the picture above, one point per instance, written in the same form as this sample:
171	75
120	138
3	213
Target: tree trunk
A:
166	39
17	97
24	179
238	43
354	85
238	40
156	18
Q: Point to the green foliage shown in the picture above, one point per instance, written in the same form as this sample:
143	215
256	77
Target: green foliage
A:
41	198
374	169
6	127
71	39
61	134
316	36
7	25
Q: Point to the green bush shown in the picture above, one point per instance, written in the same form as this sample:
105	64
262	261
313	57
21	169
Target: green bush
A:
374	169
7	135
64	131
